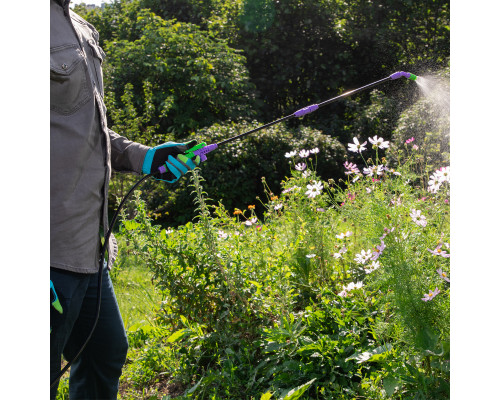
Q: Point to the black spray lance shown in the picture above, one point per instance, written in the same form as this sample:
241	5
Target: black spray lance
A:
297	114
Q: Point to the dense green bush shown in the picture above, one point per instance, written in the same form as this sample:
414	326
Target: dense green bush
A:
195	79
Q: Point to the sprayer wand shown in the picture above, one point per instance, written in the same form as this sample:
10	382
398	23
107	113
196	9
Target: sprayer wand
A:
200	150
300	113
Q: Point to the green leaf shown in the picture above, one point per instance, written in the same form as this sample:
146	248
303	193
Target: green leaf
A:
390	385
298	391
374	355
266	396
130	225
174	337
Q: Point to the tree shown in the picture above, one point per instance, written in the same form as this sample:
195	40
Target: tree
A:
196	80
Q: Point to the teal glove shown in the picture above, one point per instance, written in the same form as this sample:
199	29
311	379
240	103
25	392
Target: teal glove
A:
169	161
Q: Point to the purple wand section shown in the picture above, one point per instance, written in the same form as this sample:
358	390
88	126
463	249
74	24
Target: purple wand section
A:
205	150
306	110
399	74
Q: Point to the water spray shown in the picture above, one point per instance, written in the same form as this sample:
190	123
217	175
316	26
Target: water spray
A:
297	114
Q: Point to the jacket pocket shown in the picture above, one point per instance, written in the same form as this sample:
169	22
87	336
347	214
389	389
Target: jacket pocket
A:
69	85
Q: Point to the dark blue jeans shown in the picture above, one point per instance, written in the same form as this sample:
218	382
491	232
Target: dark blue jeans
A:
96	373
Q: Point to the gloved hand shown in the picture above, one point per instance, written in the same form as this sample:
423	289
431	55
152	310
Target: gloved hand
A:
177	159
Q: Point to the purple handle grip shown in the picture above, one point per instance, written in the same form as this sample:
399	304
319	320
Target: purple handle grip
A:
399	74
306	110
204	150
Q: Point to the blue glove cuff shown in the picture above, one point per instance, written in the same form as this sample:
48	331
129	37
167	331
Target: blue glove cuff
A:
148	161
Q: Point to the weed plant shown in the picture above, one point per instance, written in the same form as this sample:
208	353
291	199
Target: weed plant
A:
340	290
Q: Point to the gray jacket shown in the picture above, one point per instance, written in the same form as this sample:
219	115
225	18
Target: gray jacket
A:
82	148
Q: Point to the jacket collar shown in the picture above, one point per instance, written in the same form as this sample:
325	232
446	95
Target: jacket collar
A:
63	3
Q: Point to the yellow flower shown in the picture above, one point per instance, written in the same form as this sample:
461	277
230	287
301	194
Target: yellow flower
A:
274	198
251	207
237	211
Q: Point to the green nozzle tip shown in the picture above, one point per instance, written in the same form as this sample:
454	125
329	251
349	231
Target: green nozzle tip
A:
413	77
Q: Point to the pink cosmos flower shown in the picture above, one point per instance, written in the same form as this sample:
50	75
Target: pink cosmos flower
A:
443	274
429	296
438	252
386	232
291	189
408	141
377	252
351	168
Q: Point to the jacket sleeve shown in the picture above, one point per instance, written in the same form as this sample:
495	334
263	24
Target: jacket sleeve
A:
126	156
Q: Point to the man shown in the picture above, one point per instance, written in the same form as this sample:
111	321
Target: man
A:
83	151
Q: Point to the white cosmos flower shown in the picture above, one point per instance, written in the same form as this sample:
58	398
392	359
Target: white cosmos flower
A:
222	234
300	166
363	257
356	147
250	222
379	142
314	189
372	267
344	235
418	218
